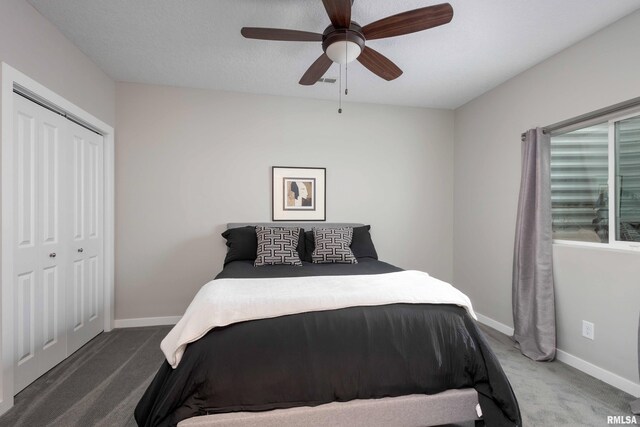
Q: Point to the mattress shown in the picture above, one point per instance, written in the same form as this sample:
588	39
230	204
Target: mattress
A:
316	358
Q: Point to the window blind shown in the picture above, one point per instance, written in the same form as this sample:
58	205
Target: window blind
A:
579	175
628	177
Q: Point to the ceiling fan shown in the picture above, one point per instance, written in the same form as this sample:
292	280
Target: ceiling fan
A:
344	40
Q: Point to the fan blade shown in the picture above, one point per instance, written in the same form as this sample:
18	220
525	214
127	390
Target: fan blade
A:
316	70
379	64
409	22
280	35
339	12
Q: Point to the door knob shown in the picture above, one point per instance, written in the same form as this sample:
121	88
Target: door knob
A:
52	255
80	250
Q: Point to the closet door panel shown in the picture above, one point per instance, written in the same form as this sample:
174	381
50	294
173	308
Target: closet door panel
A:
53	250
78	334
40	256
87	289
25	248
93	249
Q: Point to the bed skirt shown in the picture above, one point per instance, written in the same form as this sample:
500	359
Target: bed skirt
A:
451	406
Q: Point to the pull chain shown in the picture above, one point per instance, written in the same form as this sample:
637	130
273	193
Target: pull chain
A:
340	92
346	79
346	66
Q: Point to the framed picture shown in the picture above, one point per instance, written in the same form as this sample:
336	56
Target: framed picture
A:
298	194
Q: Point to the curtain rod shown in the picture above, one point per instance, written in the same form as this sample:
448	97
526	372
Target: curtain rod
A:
616	108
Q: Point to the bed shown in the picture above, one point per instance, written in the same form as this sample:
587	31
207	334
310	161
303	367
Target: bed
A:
365	349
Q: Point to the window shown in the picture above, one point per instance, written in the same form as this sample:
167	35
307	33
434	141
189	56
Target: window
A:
595	183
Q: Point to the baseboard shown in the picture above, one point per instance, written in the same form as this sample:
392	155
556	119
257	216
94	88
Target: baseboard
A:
500	327
146	321
597	372
588	368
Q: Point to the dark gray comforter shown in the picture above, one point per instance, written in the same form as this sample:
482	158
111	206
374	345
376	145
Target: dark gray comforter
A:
314	358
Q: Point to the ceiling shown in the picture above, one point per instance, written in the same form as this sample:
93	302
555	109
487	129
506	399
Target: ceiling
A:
197	43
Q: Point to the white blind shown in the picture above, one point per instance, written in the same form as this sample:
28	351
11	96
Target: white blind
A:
628	178
579	174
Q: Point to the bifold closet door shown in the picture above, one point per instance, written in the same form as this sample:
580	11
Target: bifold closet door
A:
85	294
58	251
41	252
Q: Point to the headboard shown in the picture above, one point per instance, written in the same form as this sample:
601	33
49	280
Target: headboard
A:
305	225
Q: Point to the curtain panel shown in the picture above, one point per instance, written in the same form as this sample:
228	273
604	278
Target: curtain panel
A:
532	288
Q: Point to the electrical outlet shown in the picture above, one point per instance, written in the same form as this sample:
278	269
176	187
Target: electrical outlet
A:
588	330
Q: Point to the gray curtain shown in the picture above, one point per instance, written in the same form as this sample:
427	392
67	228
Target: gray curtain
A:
635	405
534	315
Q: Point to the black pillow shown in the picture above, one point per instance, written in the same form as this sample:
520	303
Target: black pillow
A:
243	244
301	248
361	244
309	246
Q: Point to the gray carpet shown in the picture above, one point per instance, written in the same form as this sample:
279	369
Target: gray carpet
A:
101	383
555	394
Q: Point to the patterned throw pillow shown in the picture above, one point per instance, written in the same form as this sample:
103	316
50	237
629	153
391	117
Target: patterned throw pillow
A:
332	245
277	245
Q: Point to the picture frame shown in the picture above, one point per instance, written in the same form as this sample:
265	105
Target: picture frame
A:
298	193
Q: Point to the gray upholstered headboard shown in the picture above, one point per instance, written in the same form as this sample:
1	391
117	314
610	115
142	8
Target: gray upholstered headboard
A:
305	225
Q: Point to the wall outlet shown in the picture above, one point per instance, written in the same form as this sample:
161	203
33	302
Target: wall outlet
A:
588	330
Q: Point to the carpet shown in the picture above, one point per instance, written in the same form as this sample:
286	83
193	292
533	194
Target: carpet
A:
99	385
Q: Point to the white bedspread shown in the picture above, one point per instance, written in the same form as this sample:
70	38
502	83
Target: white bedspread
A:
225	301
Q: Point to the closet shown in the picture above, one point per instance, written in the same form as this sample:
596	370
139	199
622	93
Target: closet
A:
58	238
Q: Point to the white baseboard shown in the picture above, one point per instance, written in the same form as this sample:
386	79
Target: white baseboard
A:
588	368
597	372
500	327
146	321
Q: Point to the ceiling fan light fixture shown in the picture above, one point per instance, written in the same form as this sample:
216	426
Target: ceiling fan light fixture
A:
343	51
343	41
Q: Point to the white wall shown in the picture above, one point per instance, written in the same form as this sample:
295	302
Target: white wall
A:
34	46
189	161
597	285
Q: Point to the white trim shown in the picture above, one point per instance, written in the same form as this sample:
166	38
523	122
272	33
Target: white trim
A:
500	327
611	183
597	372
8	78
588	368
109	231
617	246
6	257
147	321
613	187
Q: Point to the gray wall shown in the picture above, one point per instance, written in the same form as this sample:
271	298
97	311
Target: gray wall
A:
602	286
34	46
189	161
